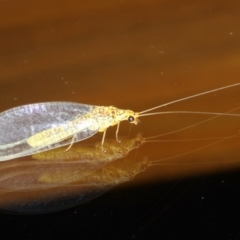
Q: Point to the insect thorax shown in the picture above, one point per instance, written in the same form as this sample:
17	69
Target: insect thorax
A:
108	116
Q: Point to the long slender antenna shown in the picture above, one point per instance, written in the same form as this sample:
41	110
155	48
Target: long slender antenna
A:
190	126
193	96
192	112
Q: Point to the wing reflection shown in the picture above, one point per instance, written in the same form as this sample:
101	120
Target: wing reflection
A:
57	179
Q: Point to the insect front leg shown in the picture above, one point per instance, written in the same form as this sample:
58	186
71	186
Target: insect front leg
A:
117	133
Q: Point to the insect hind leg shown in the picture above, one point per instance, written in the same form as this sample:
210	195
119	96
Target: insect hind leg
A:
72	141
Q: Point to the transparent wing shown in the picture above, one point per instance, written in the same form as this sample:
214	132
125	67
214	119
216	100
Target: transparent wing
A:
20	123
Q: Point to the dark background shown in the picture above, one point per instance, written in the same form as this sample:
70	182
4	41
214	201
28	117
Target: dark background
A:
136	55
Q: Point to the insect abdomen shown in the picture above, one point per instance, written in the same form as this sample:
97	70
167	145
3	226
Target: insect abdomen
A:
50	136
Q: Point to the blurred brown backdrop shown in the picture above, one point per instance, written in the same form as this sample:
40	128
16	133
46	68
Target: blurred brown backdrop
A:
131	54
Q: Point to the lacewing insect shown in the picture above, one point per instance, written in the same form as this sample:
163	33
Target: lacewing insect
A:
34	128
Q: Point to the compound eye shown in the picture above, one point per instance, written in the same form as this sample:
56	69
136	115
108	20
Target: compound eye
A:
131	119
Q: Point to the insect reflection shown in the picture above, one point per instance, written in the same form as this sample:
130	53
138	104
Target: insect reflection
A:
56	179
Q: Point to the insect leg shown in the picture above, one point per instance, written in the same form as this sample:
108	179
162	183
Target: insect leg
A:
117	132
70	144
103	138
